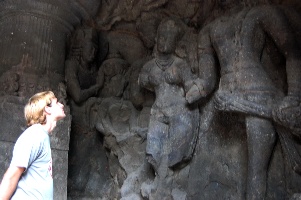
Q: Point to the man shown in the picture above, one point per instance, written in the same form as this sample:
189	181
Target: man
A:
29	175
234	45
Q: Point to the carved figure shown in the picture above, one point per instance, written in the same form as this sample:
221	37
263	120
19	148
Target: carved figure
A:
82	85
173	122
236	42
80	67
9	83
112	71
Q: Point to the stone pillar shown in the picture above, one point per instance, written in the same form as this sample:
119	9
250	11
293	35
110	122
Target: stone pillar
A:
33	37
33	40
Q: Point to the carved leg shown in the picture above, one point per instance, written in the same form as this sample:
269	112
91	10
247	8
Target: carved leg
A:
181	138
261	138
156	137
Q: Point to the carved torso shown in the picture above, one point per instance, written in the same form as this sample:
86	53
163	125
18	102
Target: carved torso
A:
238	41
86	77
166	81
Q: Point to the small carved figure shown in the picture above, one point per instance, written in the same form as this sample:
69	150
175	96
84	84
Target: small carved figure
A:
80	67
113	72
83	86
9	83
173	122
236	41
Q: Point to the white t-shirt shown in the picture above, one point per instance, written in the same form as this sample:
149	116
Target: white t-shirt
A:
32	151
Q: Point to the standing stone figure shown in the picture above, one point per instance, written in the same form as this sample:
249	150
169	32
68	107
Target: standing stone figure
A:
87	157
236	42
173	122
80	67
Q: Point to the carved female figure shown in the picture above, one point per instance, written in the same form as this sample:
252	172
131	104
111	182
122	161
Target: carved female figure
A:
173	122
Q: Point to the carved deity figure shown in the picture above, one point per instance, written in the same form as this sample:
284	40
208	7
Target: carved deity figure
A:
235	42
113	71
82	86
80	67
173	122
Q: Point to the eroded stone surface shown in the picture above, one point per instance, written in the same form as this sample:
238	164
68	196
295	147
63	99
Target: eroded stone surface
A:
108	127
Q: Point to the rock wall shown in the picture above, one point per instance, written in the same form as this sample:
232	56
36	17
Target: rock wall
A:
166	99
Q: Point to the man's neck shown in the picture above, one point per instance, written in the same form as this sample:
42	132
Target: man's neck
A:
49	126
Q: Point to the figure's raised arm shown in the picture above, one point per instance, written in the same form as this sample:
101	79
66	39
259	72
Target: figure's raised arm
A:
73	88
206	80
207	60
277	26
144	77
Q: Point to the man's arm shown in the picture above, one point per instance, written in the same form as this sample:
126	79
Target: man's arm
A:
10	181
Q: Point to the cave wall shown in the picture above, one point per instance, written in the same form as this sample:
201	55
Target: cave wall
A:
102	149
33	50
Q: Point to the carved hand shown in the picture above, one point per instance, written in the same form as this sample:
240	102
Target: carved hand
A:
193	94
288	113
95	88
196	91
221	102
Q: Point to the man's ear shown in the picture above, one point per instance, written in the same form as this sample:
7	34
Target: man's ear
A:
47	110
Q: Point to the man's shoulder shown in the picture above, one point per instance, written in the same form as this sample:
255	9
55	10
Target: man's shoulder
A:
33	133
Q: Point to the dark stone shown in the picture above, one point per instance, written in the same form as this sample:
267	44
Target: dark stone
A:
233	133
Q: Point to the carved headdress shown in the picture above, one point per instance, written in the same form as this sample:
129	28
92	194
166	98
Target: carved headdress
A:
83	35
172	25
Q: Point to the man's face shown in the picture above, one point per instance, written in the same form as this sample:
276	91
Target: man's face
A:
57	109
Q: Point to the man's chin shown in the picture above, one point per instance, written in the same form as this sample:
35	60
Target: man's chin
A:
61	117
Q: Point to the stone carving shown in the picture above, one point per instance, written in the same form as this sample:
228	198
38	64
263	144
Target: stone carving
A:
173	122
113	71
9	84
81	66
37	29
237	39
110	111
119	122
81	71
20	81
124	11
125	42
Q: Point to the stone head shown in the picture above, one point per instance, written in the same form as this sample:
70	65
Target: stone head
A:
169	31
85	43
114	66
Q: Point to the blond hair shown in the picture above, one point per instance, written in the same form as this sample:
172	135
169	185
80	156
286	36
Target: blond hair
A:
34	109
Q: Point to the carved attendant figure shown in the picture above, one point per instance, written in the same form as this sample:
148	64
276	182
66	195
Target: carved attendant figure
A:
113	71
81	68
173	122
82	85
237	41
